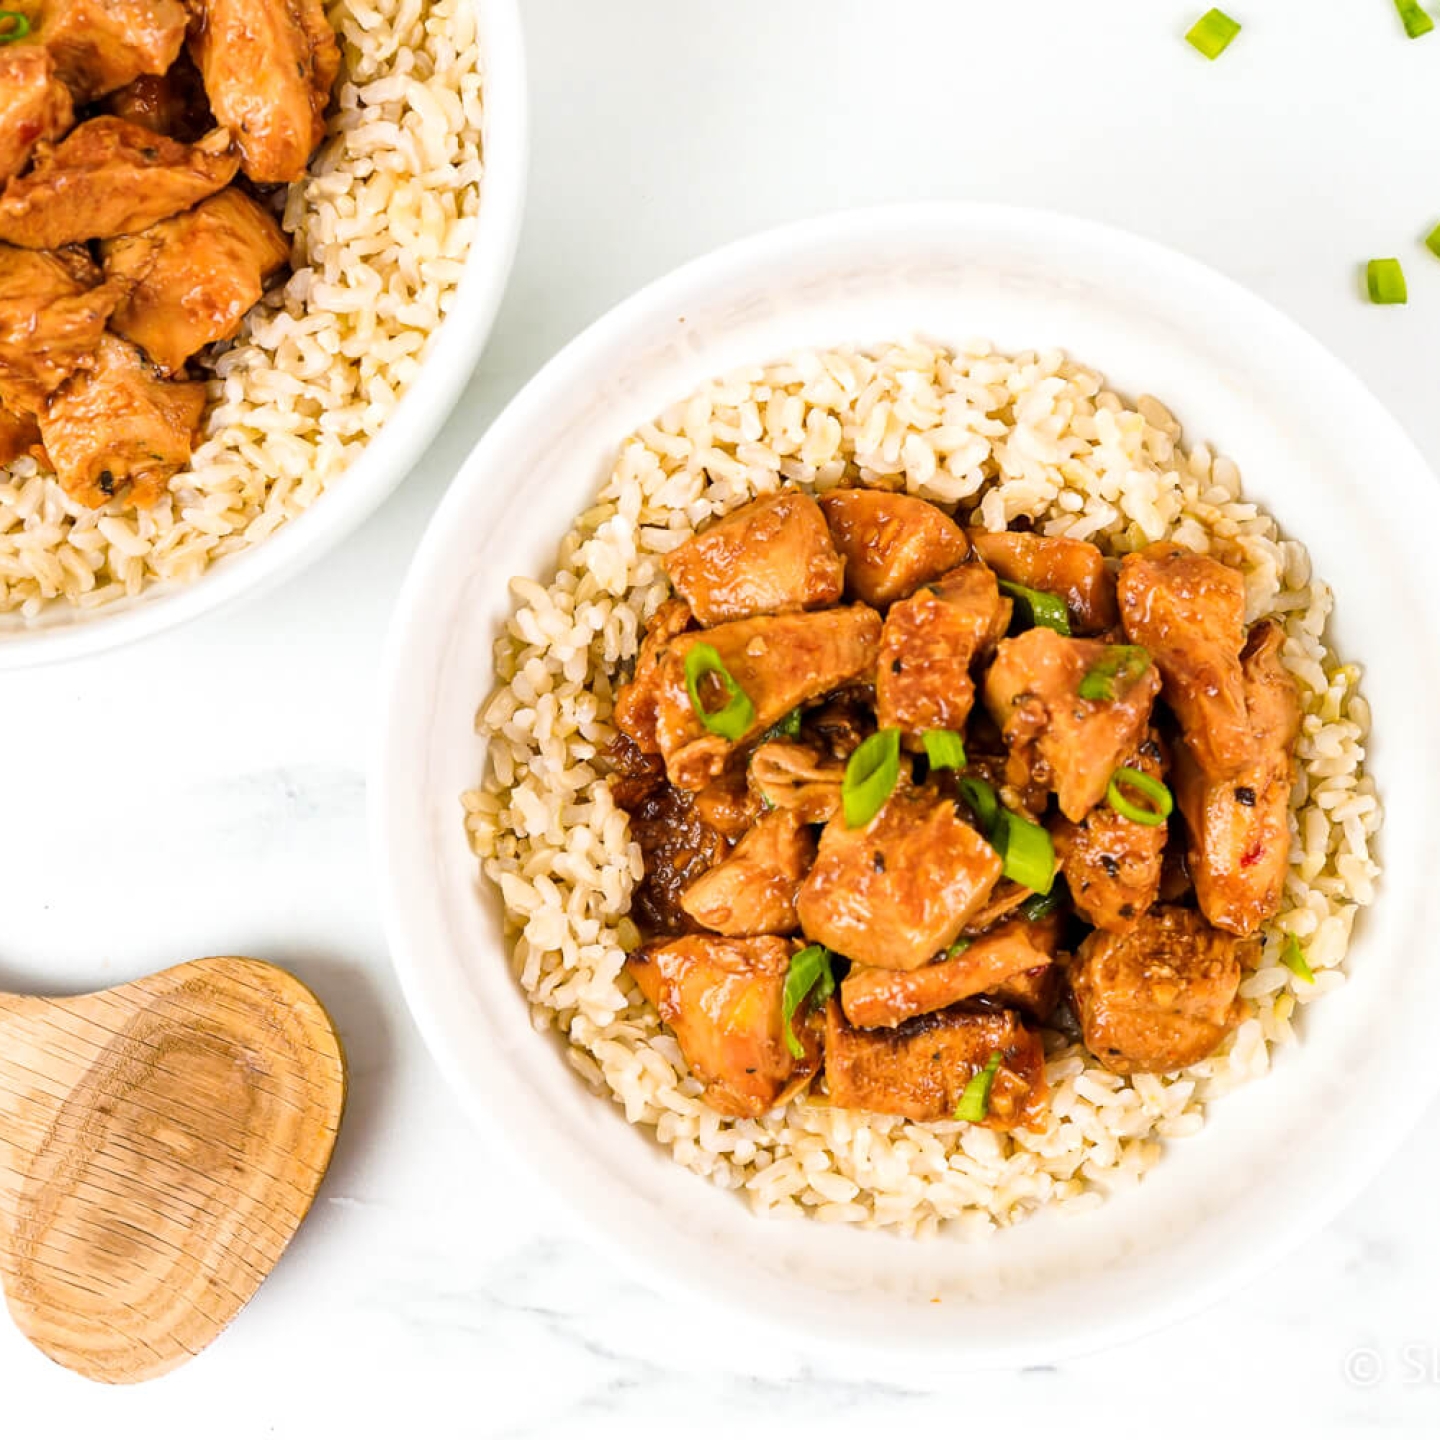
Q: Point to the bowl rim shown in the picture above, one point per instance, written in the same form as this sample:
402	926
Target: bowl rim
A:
388	458
416	971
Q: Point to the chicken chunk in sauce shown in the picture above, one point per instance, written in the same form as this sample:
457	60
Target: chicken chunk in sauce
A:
771	556
898	890
1075	570
921	1068
892	544
796	776
100	45
190	280
269	67
1161	997
35	105
929	644
724	1001
752	891
1057	738
110	177
120	426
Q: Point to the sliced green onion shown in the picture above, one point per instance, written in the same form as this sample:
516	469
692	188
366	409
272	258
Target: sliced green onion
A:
1037	907
1027	854
958	948
787	725
871	774
1038	607
980	796
1415	20
1113	674
974	1104
809	975
944	749
737	714
1292	957
1385	282
1162	802
1432	242
13	26
1212	32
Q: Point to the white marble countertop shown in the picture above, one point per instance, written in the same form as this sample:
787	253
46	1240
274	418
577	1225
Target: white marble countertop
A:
204	792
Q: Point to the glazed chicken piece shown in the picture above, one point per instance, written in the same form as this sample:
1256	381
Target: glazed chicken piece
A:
728	804
120	424
53	309
920	1068
897	891
794	776
930	642
1056	739
1160	998
874	998
779	661
1072	569
723	1000
752	892
171	104
636	702
1036	992
768	557
109	177
34	105
269	67
1112	865
1188	611
892	544
190	280
100	45
19	435
1239	825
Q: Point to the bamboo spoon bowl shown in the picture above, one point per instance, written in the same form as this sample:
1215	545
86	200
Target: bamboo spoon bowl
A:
160	1143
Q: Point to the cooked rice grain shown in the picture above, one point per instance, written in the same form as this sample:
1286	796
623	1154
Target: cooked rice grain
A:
998	437
380	227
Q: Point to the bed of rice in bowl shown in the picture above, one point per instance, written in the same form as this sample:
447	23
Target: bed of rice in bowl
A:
995	437
380	227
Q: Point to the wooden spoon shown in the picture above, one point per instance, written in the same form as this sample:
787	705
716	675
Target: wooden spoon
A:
159	1145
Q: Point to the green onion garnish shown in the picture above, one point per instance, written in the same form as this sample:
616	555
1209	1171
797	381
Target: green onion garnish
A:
944	749
1027	855
1385	282
809	975
1162	801
1037	907
1415	20
870	775
974	1104
737	714
1212	32
980	796
958	948
788	725
1292	957
13	26
1038	607
1112	675
1432	242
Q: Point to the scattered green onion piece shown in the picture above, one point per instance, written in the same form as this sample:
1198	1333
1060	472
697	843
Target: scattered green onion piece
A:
870	775
788	725
1112	675
1162	801
974	1104
1385	282
13	26
1432	242
1414	18
944	749
1212	33
980	796
1027	854
958	948
1038	607
737	714
809	975
1292	957
1037	907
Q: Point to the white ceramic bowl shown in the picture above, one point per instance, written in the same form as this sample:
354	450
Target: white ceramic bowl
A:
64	633
1279	1157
